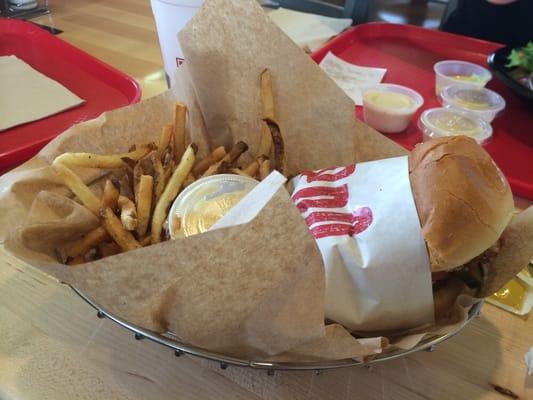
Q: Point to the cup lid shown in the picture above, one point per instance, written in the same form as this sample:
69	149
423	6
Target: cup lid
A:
438	122
205	201
474	99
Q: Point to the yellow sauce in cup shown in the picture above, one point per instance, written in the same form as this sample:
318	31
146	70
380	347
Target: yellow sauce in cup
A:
456	124
513	294
203	214
389	100
475	79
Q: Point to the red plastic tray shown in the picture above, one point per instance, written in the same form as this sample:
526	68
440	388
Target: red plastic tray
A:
101	86
409	53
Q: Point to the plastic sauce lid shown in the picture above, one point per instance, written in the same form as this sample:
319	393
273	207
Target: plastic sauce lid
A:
480	101
205	201
438	122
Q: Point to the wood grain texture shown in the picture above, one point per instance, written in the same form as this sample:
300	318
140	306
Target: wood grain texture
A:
52	345
121	33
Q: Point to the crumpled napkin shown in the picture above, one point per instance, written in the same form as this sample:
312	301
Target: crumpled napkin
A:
309	31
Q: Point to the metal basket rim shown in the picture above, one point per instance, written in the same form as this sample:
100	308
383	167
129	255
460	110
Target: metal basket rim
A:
181	348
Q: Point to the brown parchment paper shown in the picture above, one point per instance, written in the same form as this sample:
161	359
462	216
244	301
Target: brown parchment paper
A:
252	291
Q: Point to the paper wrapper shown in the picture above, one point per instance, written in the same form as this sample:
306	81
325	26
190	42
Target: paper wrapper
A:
254	290
360	216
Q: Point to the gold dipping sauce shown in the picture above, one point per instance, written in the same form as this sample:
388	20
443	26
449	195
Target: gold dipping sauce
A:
206	201
513	294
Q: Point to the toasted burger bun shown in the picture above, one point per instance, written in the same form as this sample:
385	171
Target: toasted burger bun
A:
463	200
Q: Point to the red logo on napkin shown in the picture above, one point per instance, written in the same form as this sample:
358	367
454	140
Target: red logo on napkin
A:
339	224
322	175
331	223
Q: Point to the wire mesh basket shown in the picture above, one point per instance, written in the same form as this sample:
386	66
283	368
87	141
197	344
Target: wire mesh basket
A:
180	348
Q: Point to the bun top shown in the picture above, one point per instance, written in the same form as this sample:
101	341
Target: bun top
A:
463	200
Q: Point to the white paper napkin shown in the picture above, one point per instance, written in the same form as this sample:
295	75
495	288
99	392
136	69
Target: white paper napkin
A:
349	77
250	205
309	31
27	95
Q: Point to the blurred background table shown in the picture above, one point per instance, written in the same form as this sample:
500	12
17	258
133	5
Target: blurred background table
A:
52	345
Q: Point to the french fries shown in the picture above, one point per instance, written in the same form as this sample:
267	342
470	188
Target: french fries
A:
111	194
87	242
90	160
229	159
147	178
144	203
76	260
77	186
128	213
171	191
264	169
267	97
215	156
252	168
179	129
114	227
267	103
278	161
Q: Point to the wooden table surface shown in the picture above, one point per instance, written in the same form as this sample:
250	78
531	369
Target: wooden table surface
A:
52	345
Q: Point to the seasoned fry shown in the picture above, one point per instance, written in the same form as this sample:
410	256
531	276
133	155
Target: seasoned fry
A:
267	98
159	176
278	161
171	191
265	146
239	171
76	260
166	140
252	168
128	213
215	156
179	129
235	152
111	194
87	242
126	185
114	227
190	179
264	169
103	161
76	185
130	162
144	203
137	173
106	249
145	241
230	158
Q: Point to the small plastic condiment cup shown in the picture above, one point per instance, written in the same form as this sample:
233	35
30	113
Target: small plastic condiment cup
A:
481	102
439	122
205	201
390	119
448	71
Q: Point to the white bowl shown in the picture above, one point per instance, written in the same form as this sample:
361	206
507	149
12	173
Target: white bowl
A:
390	115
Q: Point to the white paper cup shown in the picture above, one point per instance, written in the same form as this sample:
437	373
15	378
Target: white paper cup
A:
170	17
386	118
